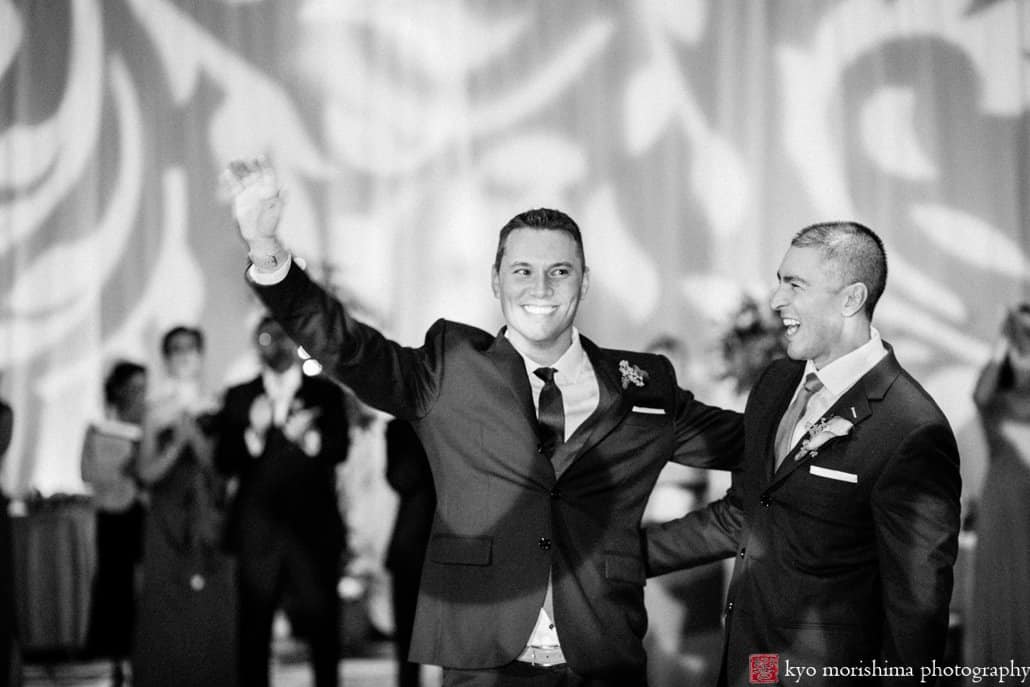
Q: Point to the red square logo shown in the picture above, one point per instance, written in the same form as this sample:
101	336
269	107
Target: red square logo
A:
765	668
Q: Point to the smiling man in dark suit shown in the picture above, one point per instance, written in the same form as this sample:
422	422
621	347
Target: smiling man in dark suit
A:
845	517
543	448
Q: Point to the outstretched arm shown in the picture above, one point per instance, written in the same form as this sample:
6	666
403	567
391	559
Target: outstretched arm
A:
701	536
399	380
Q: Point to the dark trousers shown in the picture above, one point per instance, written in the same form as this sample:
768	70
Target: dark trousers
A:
404	583
119	542
308	586
518	674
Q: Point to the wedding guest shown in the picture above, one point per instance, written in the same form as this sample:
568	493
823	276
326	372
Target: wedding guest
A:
281	436
542	446
186	623
844	521
110	454
999	625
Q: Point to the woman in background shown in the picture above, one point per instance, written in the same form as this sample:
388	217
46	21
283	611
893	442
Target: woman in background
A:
109	459
187	616
1000	623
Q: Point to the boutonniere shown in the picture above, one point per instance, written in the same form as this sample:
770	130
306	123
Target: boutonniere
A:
631	374
822	432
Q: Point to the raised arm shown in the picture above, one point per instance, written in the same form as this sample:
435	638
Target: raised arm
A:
701	536
399	380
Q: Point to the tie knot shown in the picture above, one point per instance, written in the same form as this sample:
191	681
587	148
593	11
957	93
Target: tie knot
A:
812	383
545	373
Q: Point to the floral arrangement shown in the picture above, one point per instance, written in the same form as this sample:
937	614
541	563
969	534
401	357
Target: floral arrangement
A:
753	339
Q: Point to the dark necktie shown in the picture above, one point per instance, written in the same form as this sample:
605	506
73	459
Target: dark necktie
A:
551	412
794	413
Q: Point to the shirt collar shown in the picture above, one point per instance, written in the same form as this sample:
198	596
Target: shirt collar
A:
570	365
842	373
284	383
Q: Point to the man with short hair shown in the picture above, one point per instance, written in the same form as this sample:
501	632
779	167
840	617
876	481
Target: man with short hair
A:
845	517
543	448
281	435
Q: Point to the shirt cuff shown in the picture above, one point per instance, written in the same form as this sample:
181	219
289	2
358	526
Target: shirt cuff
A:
274	277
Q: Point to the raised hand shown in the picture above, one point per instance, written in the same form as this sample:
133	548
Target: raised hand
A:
257	199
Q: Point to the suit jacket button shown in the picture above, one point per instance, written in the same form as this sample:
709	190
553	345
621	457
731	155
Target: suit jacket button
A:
544	543
741	554
556	493
729	607
540	449
765	500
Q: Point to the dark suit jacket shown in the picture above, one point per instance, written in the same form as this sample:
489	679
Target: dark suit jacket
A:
507	518
832	572
284	497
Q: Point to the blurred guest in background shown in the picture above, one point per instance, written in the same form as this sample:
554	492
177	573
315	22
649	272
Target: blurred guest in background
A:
1000	623
186	620
282	435
407	471
9	663
109	462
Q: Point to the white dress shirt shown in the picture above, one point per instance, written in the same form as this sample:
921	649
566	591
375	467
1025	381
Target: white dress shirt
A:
575	378
837	378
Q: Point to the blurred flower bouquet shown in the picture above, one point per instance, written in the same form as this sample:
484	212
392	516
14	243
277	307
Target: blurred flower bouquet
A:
752	340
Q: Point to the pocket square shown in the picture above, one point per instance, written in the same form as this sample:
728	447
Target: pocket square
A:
833	474
649	411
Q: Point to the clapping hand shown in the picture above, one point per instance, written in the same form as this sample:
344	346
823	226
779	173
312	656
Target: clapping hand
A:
299	423
261	414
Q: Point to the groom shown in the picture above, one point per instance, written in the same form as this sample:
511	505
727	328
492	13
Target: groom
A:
543	448
845	518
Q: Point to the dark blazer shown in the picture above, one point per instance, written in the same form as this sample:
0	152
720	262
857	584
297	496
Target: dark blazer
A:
283	497
507	518
834	572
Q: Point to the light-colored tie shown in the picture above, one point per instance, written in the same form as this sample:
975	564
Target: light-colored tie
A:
795	412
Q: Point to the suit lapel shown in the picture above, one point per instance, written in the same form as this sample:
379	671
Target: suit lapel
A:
853	405
766	432
512	370
611	408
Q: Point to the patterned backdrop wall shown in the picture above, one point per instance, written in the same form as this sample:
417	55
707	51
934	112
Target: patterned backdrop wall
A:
690	139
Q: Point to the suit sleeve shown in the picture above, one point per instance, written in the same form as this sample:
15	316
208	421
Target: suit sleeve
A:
916	513
399	380
701	536
706	436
